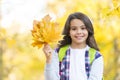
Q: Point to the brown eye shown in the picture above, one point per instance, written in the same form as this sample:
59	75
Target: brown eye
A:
83	28
73	28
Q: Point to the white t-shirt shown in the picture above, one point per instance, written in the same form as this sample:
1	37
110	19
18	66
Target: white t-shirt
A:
77	64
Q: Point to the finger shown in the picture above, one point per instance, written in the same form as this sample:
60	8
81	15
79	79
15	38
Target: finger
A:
47	52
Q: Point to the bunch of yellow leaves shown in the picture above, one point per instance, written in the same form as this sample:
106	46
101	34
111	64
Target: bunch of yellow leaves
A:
46	31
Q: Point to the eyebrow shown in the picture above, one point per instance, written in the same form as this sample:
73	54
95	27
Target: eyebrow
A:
82	25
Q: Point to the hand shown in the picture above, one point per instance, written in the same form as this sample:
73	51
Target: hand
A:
48	52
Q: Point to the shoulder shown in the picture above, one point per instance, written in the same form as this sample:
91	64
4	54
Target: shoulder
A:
96	56
96	53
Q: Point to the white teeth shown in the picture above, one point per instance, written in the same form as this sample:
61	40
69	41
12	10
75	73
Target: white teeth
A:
78	37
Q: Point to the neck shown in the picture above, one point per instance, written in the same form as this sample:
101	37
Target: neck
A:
78	46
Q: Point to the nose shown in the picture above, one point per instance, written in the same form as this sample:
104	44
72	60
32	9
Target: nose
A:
79	31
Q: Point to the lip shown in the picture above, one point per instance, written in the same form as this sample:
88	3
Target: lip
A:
79	37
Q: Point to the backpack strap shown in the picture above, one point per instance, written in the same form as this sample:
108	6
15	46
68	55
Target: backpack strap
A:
92	53
89	58
62	52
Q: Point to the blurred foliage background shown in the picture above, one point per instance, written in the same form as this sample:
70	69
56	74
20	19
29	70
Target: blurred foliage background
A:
20	61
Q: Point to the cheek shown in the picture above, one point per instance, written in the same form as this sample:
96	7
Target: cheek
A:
71	33
87	34
86	31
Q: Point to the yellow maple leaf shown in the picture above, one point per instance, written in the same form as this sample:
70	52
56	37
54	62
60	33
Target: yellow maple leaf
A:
46	31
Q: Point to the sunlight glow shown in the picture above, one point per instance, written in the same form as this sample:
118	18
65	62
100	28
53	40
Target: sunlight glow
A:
22	12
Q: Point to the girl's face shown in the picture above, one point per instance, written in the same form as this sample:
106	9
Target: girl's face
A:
78	32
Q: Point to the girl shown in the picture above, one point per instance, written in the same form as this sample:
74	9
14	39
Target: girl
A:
75	64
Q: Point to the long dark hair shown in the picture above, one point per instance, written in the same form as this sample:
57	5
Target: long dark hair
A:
67	39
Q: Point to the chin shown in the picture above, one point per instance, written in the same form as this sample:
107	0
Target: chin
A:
80	42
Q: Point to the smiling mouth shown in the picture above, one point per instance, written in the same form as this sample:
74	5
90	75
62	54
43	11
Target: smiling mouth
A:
79	37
